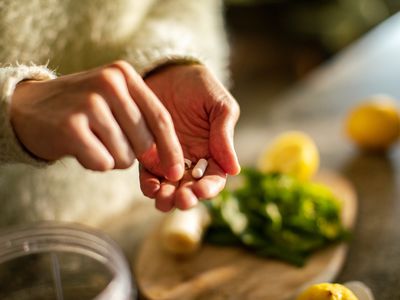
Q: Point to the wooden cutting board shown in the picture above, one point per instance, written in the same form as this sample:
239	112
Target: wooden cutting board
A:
230	273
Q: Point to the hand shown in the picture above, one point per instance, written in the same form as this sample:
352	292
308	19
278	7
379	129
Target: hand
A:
204	115
104	117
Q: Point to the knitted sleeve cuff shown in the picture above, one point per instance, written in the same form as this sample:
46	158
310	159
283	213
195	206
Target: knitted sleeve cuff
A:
146	60
11	150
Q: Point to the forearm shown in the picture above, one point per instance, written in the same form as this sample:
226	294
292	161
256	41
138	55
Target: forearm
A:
181	31
11	149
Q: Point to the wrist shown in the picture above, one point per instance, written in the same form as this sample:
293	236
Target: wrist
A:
176	64
21	94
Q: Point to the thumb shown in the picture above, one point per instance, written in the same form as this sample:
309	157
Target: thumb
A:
221	138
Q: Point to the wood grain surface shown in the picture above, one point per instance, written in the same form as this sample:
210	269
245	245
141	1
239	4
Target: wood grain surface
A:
231	273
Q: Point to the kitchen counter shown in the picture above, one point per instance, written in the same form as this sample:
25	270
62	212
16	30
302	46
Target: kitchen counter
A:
318	105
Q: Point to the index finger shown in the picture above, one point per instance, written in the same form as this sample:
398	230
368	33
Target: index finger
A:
158	120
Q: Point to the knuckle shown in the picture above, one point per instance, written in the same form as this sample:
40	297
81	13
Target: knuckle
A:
235	108
120	64
229	107
92	102
109	76
72	124
163	121
126	68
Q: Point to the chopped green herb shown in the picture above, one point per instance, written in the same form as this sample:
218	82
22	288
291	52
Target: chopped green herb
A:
276	215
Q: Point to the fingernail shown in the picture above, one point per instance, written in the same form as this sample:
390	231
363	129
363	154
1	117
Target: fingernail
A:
175	172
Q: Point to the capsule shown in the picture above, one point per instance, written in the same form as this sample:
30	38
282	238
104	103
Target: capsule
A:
200	168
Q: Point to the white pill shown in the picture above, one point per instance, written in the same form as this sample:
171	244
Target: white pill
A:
200	168
188	163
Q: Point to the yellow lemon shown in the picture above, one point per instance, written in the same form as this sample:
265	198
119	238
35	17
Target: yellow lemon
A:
374	124
327	291
292	152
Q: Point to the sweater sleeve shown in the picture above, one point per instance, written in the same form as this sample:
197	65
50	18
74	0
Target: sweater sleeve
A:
181	31
11	150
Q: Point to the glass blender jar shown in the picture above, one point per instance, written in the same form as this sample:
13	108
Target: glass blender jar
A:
62	261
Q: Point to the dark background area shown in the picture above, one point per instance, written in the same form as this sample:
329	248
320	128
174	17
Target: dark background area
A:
280	41
275	43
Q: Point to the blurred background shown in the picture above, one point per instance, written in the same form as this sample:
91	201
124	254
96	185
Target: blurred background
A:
278	42
275	43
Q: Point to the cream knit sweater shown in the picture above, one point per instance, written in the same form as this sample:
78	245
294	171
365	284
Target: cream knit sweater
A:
38	36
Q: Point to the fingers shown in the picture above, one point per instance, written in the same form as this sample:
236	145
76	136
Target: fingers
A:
184	196
191	190
106	128
222	128
159	122
151	160
149	183
165	196
125	110
88	149
212	183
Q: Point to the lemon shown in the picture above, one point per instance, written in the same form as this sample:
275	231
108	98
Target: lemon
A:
327	291
374	124
292	152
